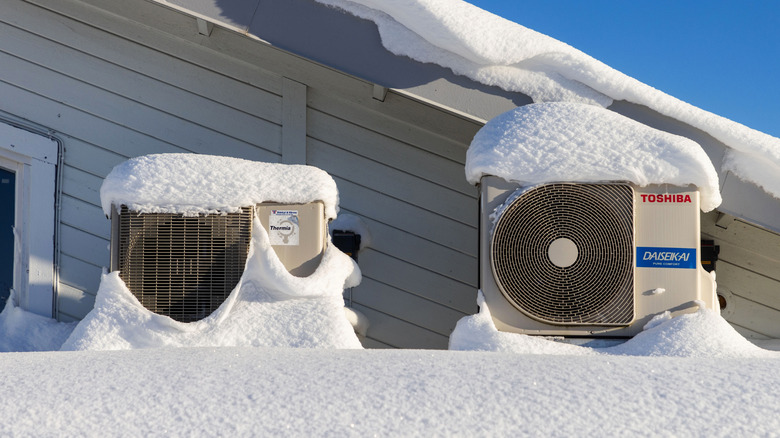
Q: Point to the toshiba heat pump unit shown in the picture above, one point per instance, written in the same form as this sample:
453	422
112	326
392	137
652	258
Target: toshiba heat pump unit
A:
589	259
185	266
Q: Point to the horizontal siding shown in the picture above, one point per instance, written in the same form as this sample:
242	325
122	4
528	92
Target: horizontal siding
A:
112	89
409	277
127	114
143	50
73	303
391	151
397	333
748	275
406	306
416	123
434	198
406	180
84	216
82	185
109	98
372	343
79	274
410	218
396	243
174	101
84	246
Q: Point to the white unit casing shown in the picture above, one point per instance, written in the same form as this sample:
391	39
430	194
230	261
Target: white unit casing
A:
298	234
589	259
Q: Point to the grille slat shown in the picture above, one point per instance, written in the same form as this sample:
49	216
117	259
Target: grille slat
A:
183	267
598	288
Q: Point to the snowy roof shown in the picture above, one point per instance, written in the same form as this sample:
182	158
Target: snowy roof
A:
494	51
548	142
199	184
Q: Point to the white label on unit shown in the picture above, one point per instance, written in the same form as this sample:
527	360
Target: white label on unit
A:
283	227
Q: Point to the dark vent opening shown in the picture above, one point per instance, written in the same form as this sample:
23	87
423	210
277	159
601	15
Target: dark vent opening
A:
183	267
594	287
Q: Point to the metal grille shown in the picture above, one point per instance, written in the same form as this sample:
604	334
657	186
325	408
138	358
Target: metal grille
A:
183	267
597	285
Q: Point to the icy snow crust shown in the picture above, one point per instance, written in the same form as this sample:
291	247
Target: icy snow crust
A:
268	308
494	51
556	142
193	184
703	379
233	391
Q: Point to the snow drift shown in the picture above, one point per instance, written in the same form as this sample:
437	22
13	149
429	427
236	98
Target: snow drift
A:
701	334
25	331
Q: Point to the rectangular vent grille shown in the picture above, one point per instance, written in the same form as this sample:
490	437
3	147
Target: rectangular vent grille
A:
183	267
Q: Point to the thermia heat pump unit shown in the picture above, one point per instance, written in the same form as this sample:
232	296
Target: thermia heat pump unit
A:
589	259
186	266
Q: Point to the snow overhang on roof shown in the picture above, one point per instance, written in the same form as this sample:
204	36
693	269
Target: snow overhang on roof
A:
494	51
551	142
192	184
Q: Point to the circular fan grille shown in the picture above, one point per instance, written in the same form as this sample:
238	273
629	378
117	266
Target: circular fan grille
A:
587	276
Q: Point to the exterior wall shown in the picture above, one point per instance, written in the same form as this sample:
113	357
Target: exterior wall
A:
108	99
748	274
111	88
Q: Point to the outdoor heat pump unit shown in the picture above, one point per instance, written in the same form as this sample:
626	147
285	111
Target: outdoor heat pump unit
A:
589	259
184	267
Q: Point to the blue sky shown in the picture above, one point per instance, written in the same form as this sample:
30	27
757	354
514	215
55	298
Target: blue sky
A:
722	56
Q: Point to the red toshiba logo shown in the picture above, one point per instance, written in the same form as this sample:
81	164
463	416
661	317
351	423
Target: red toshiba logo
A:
666	198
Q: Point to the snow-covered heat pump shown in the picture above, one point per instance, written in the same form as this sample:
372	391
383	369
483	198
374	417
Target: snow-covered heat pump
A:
589	259
182	225
186	266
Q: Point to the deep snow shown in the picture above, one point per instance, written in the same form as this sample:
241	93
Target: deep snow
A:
687	376
551	389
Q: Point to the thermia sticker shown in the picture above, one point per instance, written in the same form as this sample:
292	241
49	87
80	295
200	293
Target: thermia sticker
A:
652	257
283	227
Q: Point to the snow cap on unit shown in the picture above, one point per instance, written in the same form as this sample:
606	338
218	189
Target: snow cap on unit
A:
194	184
553	142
